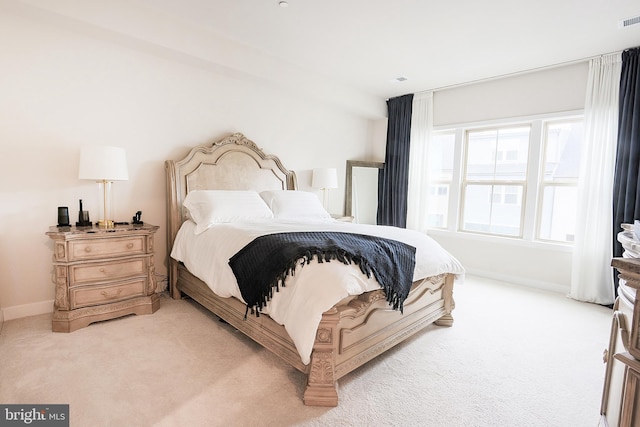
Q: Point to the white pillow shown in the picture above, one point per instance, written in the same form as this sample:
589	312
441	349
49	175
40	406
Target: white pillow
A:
292	204
208	207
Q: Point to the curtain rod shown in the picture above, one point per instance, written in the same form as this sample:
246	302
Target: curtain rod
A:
518	73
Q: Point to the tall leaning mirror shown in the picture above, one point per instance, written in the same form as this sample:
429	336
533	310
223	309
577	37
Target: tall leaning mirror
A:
361	190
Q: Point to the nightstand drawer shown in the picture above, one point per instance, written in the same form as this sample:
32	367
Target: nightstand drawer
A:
113	270
84	296
105	248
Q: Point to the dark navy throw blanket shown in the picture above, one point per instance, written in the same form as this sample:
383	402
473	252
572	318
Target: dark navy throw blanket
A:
262	266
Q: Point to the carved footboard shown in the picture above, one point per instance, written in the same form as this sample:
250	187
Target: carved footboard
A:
362	327
350	334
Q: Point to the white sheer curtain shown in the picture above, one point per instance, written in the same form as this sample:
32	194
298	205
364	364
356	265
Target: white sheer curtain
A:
421	129
591	278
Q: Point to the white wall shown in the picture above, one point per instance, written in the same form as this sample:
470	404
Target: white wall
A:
62	87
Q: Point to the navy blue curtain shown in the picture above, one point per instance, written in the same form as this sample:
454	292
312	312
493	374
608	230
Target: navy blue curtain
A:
626	186
393	179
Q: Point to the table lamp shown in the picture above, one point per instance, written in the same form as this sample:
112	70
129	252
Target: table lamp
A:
104	165
324	179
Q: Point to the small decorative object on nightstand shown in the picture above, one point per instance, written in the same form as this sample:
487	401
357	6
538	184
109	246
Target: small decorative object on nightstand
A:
102	274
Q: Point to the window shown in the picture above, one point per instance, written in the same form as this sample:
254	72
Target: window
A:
558	187
495	180
516	179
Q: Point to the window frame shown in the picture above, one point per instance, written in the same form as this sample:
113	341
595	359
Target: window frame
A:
543	183
466	183
532	194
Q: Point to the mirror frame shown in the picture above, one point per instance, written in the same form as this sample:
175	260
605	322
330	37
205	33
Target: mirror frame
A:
348	207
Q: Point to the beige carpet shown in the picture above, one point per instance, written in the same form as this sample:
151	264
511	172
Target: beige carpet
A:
514	357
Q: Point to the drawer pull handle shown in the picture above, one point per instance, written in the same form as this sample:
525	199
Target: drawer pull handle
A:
87	248
129	245
106	294
102	270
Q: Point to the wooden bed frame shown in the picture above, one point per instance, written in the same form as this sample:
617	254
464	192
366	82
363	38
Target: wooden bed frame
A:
351	333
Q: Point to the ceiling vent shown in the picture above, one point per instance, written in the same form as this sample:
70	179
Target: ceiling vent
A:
624	23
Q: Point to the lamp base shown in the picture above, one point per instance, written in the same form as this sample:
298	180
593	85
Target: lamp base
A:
325	198
106	223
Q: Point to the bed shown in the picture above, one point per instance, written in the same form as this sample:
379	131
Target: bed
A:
352	331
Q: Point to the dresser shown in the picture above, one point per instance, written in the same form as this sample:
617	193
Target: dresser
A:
101	274
620	405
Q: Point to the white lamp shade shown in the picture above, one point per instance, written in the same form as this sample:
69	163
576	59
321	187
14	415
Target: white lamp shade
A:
103	163
324	178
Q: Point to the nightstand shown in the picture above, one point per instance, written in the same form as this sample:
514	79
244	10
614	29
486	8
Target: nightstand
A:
102	274
342	218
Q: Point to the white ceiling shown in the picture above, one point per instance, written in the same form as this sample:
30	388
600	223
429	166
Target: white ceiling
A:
350	51
365	44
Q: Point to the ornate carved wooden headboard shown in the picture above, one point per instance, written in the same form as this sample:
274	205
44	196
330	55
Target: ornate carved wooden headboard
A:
232	163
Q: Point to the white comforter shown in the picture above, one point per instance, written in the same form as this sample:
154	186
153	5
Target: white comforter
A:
314	288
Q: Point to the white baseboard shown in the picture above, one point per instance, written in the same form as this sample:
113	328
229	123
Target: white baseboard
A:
523	281
26	310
